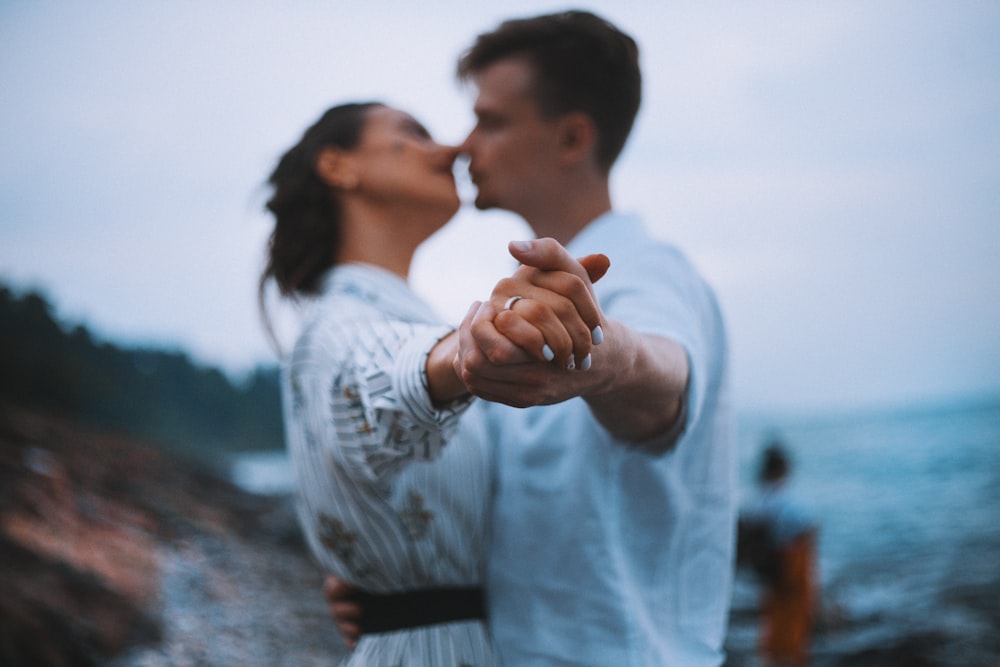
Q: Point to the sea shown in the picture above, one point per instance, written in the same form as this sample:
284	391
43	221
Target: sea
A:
908	507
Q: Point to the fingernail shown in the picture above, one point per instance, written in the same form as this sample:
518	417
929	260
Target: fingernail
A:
571	363
597	335
585	364
522	246
547	352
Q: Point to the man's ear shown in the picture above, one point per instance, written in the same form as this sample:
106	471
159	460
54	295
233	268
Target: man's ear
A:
335	168
577	137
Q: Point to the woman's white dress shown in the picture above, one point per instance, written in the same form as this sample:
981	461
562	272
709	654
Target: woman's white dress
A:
391	493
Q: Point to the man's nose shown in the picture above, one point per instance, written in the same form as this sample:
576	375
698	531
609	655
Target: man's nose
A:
465	148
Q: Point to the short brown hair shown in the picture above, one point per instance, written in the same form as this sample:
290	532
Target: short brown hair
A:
580	61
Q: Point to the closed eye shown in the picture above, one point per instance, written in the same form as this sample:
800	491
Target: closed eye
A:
488	121
415	129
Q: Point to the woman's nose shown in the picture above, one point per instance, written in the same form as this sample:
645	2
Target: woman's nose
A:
446	155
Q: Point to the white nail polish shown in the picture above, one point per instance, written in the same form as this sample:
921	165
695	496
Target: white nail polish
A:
548	353
597	335
585	364
571	363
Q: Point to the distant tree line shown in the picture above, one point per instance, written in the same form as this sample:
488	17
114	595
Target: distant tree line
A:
154	394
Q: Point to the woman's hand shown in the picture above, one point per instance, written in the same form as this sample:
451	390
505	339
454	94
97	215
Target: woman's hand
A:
548	308
538	325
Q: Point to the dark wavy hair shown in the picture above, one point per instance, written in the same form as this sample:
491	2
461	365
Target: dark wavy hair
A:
580	62
306	235
306	212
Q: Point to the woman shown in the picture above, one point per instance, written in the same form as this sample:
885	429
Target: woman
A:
369	396
370	392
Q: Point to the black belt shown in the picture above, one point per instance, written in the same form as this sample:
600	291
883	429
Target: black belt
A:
386	612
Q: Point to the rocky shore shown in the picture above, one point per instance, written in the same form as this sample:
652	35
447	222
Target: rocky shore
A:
115	553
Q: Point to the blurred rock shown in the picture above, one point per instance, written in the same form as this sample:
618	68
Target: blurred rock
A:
114	552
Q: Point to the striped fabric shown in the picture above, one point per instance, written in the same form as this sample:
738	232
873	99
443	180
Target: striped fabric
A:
383	501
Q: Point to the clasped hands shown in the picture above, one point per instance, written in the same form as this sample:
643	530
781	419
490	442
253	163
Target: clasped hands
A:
534	340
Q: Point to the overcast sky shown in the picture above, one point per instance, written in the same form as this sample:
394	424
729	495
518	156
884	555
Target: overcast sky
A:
832	167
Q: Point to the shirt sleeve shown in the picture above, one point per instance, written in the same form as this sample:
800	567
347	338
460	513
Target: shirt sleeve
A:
363	397
658	292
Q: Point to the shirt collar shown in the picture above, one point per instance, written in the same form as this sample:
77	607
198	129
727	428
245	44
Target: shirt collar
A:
602	232
379	287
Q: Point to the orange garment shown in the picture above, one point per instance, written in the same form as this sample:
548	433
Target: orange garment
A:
789	607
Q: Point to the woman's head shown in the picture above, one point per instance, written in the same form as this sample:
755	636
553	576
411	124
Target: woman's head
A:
306	210
356	163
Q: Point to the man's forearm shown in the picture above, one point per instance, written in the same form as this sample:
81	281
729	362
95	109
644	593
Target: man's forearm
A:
646	379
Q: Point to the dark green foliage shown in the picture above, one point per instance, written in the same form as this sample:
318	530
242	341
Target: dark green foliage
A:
155	394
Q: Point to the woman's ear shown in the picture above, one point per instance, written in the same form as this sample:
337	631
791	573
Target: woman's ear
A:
577	137
335	168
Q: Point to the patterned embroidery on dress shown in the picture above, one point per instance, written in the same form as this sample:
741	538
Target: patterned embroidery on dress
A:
399	436
415	516
357	409
340	541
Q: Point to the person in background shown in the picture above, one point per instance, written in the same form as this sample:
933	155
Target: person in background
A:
784	545
392	484
614	508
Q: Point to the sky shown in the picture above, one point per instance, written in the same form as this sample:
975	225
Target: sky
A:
832	167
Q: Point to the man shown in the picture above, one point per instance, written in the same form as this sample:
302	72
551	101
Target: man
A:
613	515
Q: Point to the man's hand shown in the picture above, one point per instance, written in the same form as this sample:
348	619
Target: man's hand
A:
596	265
546	348
345	612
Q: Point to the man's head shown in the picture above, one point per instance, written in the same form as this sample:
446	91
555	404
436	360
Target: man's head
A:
553	89
774	465
579	63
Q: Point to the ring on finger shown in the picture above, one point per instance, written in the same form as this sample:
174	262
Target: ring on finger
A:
509	303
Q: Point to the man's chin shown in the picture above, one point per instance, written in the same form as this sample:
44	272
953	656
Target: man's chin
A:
484	204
